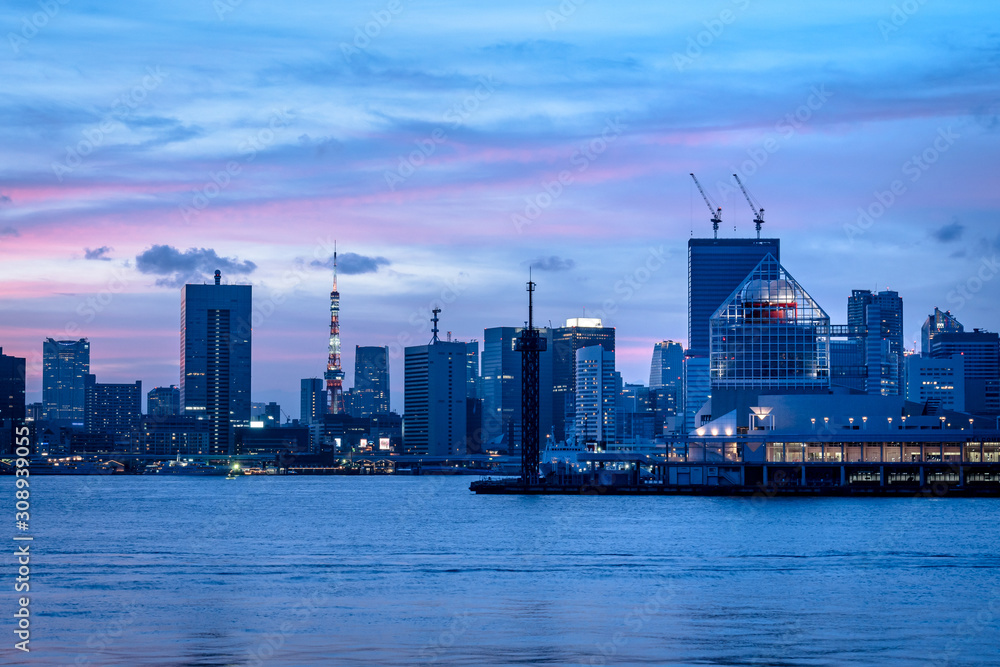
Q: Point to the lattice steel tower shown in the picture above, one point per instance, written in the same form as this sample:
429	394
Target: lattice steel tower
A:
529	344
334	373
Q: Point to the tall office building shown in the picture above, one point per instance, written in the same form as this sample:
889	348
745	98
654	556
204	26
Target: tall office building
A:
880	315
434	383
112	410
667	366
596	395
576	334
980	352
472	371
370	394
501	388
65	365
635	418
12	387
215	357
666	382
936	323
312	400
716	267
163	401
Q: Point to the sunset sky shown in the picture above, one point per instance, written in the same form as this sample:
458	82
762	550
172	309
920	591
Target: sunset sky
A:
448	146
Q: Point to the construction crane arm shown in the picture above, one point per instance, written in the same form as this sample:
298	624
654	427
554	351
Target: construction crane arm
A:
755	207
715	211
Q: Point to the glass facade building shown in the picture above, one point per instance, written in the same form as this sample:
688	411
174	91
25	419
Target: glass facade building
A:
770	334
215	358
576	334
501	388
66	364
371	381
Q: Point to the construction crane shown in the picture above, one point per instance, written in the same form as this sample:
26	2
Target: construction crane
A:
758	211
715	211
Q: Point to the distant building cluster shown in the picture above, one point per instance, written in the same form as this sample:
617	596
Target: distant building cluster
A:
761	353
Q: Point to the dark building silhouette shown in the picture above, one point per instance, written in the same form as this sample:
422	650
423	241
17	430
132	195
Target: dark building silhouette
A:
578	333
370	394
112	411
163	401
215	357
65	365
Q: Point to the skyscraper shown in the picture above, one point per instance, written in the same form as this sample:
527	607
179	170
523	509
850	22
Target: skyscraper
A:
434	398
163	401
312	400
66	364
881	316
566	340
12	387
666	382
937	322
596	395
667	366
502	387
112	410
472	374
371	381
716	267
215	357
980	352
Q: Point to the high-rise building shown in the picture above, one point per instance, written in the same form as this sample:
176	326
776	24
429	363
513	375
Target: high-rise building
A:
163	401
215	357
65	365
370	394
312	400
501	388
880	315
635	414
596	395
666	381
980	352
112	410
770	335
937	322
716	267
472	373
434	382
578	333
12	404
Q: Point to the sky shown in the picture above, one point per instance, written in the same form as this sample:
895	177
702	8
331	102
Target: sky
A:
446	147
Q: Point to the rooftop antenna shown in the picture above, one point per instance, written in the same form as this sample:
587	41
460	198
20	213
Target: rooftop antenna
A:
758	211
714	210
434	329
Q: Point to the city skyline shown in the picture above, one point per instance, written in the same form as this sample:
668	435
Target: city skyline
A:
311	143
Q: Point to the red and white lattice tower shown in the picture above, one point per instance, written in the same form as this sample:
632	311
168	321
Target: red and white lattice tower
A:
334	373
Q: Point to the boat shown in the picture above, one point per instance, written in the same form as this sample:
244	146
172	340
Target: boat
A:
187	467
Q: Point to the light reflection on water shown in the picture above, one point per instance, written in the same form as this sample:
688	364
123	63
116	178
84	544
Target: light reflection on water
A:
402	571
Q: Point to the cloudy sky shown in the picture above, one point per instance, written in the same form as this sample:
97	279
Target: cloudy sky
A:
447	146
